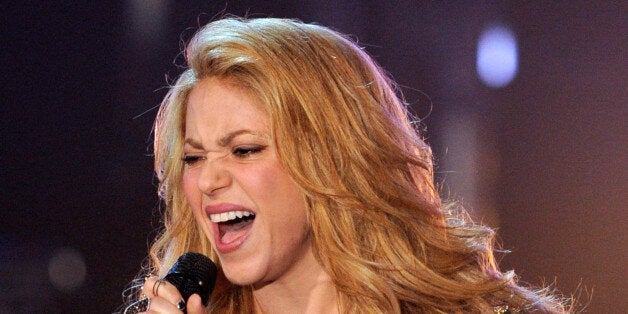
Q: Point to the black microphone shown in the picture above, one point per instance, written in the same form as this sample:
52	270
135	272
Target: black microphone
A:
193	273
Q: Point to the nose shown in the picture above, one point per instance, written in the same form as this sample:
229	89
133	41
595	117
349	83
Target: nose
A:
214	177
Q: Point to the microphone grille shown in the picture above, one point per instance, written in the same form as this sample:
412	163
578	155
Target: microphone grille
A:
193	273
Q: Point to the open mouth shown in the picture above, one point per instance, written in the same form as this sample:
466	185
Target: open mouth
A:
232	224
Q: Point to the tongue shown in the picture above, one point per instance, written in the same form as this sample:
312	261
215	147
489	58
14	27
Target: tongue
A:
232	231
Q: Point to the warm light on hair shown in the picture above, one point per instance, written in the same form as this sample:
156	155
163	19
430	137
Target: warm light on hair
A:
346	138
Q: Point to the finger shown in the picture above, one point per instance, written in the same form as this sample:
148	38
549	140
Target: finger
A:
195	306
163	289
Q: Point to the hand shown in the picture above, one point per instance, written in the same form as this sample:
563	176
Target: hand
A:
164	298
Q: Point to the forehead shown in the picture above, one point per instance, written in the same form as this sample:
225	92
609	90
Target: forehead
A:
215	103
215	97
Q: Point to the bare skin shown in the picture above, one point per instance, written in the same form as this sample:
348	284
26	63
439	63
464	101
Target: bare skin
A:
231	162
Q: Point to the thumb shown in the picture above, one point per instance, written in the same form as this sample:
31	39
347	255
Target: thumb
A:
194	305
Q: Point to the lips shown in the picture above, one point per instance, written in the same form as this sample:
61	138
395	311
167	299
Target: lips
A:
231	224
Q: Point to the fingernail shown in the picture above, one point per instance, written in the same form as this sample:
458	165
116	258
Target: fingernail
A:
181	305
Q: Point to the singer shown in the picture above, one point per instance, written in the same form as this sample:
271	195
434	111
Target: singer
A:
286	155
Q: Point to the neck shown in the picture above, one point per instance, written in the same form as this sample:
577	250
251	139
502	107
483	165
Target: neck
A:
307	289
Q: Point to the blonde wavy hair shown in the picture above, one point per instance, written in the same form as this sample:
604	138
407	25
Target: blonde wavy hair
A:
344	135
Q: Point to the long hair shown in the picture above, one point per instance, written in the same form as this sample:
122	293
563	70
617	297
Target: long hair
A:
343	133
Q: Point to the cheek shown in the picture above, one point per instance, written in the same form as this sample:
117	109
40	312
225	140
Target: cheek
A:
282	195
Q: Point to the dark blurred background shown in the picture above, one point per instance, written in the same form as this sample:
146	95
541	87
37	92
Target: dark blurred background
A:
533	142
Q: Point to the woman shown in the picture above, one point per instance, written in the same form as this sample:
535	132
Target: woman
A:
285	154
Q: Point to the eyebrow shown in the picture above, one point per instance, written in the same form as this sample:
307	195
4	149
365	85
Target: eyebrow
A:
224	141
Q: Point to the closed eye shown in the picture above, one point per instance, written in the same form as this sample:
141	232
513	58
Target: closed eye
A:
246	151
191	160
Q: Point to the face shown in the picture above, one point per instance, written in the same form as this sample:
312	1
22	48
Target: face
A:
250	209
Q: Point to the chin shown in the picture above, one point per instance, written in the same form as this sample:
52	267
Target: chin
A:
242	279
242	276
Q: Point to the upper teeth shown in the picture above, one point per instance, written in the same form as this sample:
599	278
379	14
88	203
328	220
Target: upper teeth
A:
226	216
